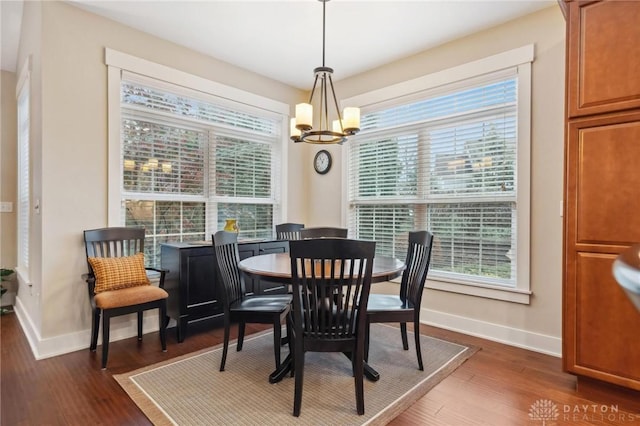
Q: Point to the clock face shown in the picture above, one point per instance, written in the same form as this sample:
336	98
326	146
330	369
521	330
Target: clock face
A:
322	162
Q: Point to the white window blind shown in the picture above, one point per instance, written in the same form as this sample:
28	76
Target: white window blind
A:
190	161
24	185
249	156
442	159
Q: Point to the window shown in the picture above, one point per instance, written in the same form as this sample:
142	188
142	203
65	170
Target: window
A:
447	159
24	186
189	160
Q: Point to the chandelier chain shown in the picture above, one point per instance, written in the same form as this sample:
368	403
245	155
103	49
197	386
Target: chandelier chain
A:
324	26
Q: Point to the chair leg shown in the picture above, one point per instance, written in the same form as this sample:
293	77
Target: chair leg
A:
403	331
290	340
241	325
95	326
277	331
416	333
299	375
359	378
163	325
225	345
139	325
106	319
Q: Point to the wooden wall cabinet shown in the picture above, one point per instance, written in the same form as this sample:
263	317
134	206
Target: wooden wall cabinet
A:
603	52
193	282
602	189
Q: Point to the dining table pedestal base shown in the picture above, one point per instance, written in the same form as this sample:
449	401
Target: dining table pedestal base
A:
287	367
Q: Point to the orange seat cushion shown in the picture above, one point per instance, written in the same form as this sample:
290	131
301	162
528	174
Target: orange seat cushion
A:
114	273
129	296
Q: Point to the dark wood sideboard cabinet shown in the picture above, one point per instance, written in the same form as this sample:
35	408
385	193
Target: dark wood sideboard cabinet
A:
193	281
602	189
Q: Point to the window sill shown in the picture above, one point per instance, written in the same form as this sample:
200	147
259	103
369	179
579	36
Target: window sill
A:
487	292
23	276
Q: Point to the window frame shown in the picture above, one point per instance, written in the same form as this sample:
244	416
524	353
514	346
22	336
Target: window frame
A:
120	65
23	207
521	59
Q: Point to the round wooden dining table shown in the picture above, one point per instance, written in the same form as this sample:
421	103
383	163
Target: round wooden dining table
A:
276	267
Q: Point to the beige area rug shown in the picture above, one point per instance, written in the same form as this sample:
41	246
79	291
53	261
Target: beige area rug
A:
189	390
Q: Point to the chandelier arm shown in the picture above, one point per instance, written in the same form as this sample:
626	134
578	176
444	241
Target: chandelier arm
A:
313	89
335	101
325	103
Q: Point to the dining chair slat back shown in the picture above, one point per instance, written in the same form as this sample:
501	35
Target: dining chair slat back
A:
331	281
405	307
288	231
324	232
415	274
237	306
227	258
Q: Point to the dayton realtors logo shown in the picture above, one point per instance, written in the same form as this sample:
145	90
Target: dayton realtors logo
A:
547	412
544	410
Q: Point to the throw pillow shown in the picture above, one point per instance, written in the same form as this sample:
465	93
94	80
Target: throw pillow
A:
113	273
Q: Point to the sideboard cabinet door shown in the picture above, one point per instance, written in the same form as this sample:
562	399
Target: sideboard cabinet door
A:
267	287
191	283
252	286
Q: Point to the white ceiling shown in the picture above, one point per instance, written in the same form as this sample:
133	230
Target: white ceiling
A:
283	39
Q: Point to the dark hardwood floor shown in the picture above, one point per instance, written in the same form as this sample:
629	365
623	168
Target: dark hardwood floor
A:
497	386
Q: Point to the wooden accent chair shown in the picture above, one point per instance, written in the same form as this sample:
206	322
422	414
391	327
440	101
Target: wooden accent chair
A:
237	306
323	232
288	231
118	282
331	280
405	307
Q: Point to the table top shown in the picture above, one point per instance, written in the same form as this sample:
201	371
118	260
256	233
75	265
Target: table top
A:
277	267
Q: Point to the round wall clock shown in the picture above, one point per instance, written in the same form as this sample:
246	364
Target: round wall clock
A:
322	161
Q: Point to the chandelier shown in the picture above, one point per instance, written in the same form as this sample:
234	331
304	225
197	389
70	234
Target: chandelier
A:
346	124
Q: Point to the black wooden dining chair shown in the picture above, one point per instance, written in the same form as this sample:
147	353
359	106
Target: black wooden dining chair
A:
331	280
405	307
288	231
118	282
323	232
237	306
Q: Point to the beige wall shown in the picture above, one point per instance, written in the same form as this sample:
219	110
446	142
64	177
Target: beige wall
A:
546	29
71	144
29	292
69	138
8	158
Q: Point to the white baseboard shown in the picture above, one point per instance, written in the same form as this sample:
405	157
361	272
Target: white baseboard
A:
58	345
536	342
71	342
